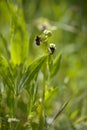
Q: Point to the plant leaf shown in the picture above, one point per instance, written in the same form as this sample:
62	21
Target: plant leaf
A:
5	73
19	36
49	94
56	65
5	46
30	72
51	120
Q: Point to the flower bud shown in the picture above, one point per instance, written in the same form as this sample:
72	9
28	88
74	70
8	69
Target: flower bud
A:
48	33
51	48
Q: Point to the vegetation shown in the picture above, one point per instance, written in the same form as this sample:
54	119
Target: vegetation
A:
43	65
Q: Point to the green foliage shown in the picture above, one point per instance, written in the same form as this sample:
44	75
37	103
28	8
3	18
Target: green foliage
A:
37	90
5	73
19	40
56	65
30	73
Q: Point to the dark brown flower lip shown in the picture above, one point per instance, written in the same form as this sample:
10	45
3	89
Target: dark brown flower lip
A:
52	50
38	40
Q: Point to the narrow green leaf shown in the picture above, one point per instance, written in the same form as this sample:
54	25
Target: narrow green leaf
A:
56	65
30	72
6	74
61	109
49	94
3	64
19	36
58	112
5	46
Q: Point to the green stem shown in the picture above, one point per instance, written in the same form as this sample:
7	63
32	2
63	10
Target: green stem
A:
42	116
15	104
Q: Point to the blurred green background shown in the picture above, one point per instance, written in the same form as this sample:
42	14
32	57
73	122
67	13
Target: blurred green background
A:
68	21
